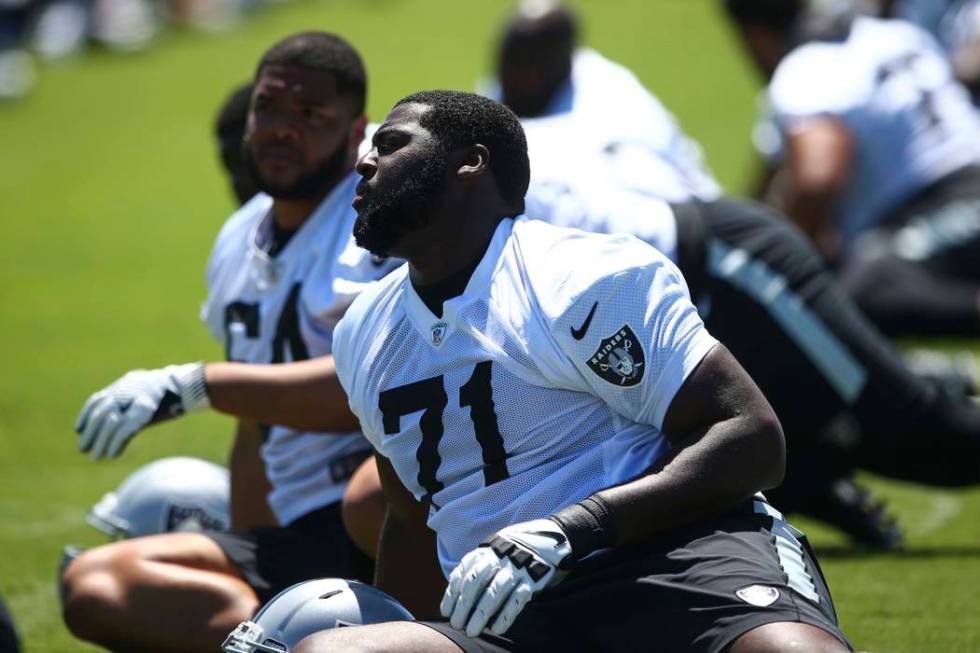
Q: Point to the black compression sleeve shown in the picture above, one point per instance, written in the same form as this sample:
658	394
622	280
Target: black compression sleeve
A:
588	525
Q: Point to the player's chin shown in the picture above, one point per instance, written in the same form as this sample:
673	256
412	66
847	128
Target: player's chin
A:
281	180
374	238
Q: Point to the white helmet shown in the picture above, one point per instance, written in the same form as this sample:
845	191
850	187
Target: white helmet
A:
171	494
309	607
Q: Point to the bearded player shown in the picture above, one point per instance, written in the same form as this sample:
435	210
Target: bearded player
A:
554	423
283	271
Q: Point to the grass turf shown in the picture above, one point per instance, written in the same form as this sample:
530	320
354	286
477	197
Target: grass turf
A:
110	196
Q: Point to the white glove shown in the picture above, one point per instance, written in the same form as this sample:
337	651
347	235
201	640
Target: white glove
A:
501	575
112	416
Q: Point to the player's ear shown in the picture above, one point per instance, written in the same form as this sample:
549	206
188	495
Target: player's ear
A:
357	129
474	164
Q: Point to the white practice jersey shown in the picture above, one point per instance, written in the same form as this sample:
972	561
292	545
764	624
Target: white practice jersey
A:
953	23
890	84
573	185
279	309
547	380
614	116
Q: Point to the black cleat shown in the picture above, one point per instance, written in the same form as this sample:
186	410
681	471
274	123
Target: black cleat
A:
855	511
957	373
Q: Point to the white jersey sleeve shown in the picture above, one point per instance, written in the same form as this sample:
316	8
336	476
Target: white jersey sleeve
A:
626	323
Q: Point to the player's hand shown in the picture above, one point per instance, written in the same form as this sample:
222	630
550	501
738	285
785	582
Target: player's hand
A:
500	576
112	416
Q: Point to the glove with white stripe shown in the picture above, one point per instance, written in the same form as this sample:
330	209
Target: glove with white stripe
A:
112	416
498	578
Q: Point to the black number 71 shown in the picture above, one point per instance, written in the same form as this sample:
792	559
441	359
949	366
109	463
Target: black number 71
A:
429	395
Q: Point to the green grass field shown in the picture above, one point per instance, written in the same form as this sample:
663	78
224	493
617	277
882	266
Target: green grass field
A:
110	197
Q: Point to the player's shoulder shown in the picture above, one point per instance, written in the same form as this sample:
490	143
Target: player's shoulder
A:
591	61
564	264
240	223
376	300
232	239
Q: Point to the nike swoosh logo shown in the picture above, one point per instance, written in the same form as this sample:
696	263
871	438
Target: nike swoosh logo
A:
579	333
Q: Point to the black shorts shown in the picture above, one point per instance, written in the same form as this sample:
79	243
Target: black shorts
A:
697	591
314	546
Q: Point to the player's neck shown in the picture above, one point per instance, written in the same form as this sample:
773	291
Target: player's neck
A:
291	214
450	251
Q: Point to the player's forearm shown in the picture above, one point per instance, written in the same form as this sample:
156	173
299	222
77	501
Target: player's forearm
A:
712	474
306	395
966	66
249	484
811	210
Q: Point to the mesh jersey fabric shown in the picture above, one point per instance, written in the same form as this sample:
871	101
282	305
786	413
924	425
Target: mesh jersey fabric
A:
281	309
497	412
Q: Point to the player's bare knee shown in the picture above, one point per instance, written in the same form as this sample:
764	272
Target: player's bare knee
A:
392	637
90	594
787	637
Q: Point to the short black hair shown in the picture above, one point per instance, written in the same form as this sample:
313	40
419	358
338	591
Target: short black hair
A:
326	53
229	125
779	15
459	119
556	28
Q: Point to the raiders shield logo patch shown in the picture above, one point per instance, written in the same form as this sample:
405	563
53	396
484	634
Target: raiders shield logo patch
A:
619	358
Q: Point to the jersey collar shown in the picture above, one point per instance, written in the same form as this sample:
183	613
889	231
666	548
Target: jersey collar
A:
436	330
333	204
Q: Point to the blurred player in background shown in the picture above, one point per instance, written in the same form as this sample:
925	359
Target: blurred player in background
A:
542	71
879	150
283	271
955	24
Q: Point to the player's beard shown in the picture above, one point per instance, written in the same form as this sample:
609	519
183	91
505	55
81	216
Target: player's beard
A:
312	185
384	216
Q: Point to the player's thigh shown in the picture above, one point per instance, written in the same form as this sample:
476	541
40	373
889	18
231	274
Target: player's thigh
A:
192	550
776	306
364	507
395	637
785	636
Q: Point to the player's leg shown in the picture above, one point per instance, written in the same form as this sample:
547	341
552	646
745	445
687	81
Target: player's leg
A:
787	636
905	297
172	592
836	384
364	507
396	637
919	274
